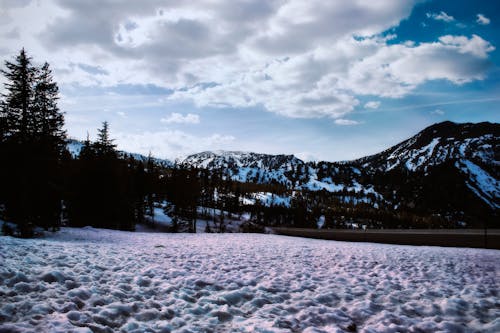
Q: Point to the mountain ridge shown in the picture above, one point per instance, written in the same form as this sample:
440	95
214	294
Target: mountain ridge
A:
447	169
471	150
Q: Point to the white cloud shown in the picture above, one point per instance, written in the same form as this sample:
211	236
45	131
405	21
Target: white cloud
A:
438	112
324	82
475	45
442	16
395	70
372	105
177	118
483	20
295	58
346	122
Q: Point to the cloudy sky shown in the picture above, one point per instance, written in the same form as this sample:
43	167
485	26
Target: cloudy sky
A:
325	80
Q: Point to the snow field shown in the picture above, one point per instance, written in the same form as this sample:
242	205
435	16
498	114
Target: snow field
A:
90	280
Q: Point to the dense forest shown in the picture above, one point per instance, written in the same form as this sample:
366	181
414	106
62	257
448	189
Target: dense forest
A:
45	186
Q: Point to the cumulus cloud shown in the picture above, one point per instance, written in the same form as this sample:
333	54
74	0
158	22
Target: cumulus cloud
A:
295	58
442	16
372	105
475	46
299	26
395	70
324	82
483	20
177	118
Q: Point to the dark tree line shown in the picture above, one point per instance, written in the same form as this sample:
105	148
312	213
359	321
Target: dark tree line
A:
100	189
41	184
32	146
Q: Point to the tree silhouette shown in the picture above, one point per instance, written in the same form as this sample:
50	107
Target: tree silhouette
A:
33	138
16	110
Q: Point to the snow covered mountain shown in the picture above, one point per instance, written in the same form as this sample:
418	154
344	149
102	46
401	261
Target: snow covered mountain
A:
445	169
443	157
247	167
437	144
471	149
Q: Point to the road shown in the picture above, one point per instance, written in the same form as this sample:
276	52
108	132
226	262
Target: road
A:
434	237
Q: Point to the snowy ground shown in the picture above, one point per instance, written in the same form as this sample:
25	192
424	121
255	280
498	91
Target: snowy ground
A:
91	280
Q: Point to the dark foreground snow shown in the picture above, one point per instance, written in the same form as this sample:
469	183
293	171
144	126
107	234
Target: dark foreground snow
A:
88	280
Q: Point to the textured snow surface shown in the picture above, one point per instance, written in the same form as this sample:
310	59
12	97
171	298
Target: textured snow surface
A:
89	280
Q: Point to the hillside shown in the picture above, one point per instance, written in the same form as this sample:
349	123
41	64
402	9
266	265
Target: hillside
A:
447	169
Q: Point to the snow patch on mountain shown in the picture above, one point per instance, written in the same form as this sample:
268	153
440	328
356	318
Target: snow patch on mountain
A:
481	182
267	199
421	155
433	147
246	166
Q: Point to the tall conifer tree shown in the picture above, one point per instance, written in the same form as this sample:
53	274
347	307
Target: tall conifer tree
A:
48	118
33	139
17	101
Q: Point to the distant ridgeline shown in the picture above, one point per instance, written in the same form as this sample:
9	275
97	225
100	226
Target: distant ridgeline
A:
446	176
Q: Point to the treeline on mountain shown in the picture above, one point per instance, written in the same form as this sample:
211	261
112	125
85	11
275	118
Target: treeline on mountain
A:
43	185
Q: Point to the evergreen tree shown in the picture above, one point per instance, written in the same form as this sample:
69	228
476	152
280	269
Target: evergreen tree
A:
33	139
104	145
49	119
149	182
50	142
87	151
15	113
104	189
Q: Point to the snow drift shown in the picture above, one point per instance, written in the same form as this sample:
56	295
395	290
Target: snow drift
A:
89	280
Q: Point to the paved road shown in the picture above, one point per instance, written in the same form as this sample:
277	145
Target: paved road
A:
441	237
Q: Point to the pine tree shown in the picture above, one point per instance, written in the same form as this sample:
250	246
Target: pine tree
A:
49	120
34	141
17	121
87	151
104	190
104	144
150	179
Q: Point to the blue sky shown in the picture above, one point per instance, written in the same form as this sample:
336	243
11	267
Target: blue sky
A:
323	80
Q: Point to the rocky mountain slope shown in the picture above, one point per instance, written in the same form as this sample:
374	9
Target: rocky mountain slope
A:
446	167
471	151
